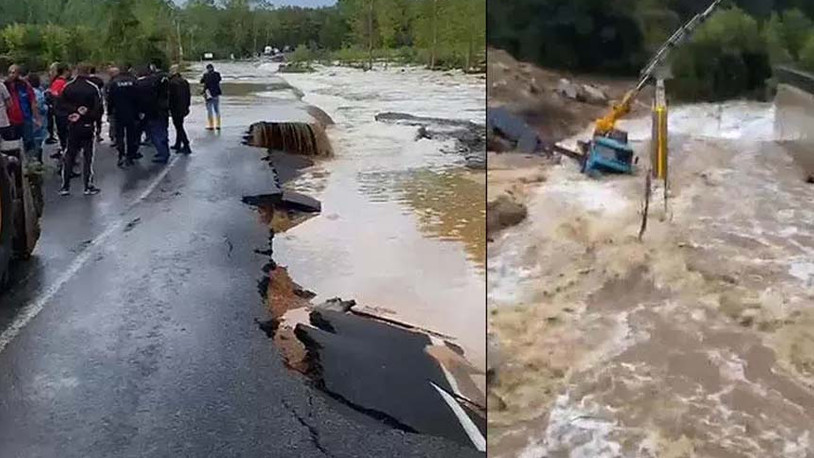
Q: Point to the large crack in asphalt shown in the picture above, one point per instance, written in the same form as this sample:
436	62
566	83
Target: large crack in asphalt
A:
312	430
379	367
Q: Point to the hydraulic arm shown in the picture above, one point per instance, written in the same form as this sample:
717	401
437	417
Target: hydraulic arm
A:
606	124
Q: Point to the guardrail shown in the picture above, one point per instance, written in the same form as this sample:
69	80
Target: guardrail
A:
794	77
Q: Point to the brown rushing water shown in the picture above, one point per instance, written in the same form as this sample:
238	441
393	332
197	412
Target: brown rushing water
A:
696	341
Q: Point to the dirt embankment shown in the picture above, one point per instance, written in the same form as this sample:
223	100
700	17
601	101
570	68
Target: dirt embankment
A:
555	105
537	95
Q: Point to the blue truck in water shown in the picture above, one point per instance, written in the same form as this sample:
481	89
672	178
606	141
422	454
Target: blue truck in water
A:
607	155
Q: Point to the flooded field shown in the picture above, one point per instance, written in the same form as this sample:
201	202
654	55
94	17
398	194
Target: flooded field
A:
693	342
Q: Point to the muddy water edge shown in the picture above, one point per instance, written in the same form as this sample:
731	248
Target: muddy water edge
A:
356	197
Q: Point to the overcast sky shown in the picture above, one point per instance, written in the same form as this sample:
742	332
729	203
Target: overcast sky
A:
302	3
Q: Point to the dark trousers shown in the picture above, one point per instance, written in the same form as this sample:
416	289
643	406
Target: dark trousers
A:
52	121
158	133
80	138
127	136
111	127
62	131
9	133
141	125
181	139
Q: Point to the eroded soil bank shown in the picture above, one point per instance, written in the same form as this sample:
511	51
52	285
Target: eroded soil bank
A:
695	341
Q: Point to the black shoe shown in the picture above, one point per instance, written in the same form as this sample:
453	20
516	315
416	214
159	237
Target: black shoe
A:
92	190
175	147
50	141
121	162
99	139
160	160
186	151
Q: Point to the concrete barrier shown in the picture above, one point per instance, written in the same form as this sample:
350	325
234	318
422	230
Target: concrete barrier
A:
794	115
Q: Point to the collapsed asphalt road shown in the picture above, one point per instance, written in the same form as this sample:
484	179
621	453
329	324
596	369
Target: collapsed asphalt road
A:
132	332
391	372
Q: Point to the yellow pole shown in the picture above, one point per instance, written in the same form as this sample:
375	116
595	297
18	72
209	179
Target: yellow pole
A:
660	132
662	143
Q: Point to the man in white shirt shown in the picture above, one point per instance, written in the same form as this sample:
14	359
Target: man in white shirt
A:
5	125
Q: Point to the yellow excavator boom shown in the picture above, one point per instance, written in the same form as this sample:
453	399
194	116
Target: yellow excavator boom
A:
606	124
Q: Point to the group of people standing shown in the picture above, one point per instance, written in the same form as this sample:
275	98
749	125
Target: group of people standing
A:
137	101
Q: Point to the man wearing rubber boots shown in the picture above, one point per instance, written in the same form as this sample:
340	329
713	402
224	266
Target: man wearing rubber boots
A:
82	101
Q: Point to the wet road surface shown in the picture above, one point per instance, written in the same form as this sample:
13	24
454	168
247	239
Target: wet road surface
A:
132	332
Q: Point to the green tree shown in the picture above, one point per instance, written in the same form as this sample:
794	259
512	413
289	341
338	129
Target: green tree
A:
774	35
56	40
725	58
796	30
807	54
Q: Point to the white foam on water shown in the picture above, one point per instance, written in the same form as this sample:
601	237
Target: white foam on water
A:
738	120
804	271
574	430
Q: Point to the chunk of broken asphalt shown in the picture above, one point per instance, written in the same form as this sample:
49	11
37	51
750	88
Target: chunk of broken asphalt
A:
397	372
296	201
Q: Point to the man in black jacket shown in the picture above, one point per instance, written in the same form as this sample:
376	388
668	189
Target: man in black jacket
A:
82	101
112	72
124	111
180	99
154	105
100	83
212	92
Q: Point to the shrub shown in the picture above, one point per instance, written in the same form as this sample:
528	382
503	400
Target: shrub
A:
807	54
727	58
301	54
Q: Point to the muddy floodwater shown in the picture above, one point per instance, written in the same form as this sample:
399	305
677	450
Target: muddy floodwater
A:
695	341
402	226
401	229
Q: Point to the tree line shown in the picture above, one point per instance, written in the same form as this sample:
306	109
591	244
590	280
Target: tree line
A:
731	55
438	33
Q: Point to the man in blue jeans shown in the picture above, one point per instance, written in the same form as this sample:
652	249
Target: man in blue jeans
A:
212	92
154	109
